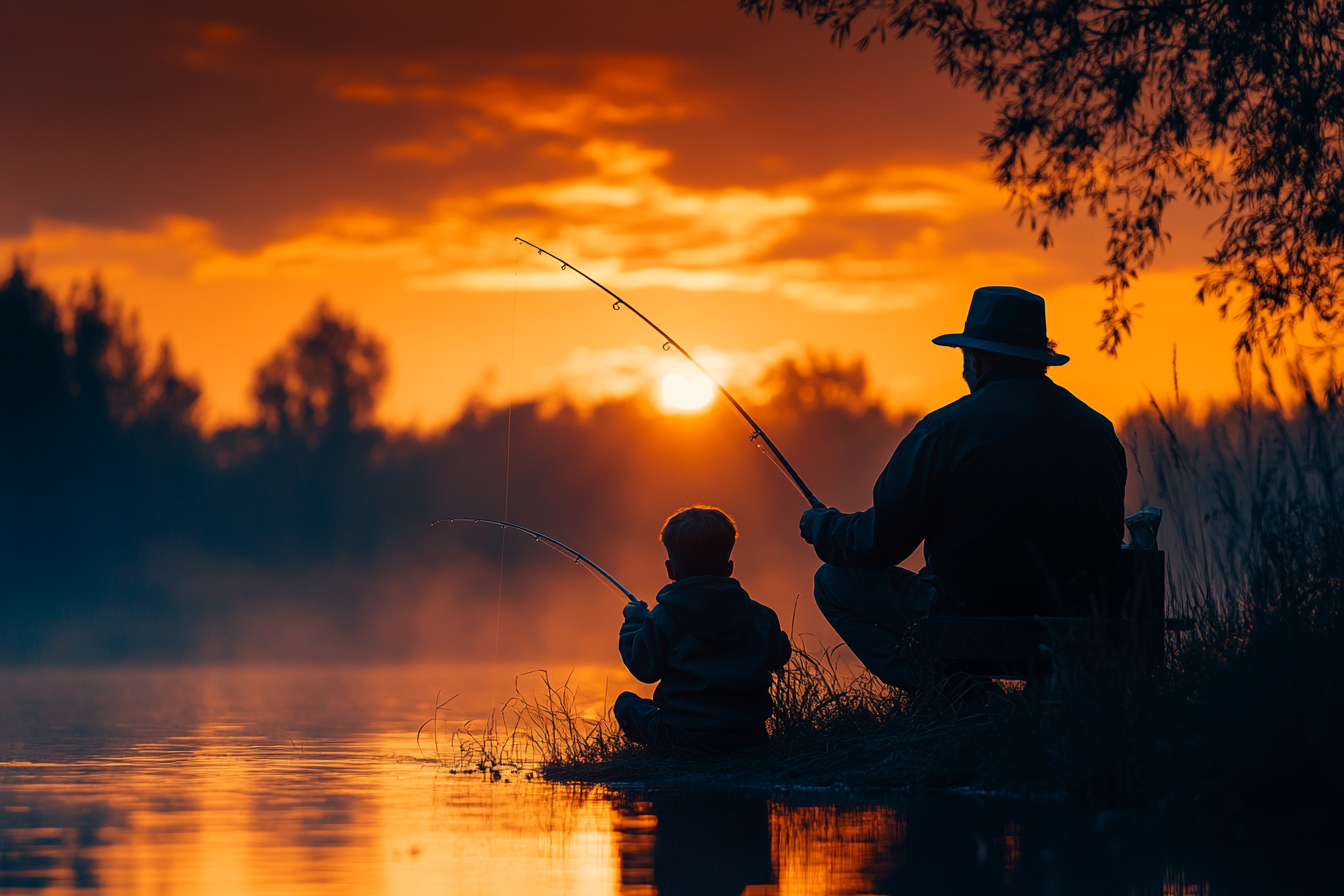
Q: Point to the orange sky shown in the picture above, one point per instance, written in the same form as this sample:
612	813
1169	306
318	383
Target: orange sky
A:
750	187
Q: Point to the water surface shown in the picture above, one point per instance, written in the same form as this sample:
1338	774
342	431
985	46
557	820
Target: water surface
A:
310	781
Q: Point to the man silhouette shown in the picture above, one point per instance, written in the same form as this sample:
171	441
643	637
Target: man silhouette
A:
1016	490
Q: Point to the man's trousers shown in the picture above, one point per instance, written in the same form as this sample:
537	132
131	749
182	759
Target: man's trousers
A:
871	611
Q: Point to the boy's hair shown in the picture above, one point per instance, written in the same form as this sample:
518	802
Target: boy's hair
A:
699	540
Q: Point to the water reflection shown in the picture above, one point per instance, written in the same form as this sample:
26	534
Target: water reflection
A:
679	843
308	781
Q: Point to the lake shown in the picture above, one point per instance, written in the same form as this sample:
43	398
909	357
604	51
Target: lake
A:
310	781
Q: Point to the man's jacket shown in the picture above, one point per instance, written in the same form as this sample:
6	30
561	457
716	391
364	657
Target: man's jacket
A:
1017	491
713	648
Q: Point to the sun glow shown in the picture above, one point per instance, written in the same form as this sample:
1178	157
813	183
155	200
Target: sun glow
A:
682	394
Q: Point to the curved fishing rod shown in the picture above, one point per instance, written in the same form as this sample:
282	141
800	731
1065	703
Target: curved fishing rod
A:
758	435
549	542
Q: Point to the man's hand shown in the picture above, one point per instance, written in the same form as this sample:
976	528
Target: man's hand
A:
635	611
810	524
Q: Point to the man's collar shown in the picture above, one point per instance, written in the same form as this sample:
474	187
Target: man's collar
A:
995	376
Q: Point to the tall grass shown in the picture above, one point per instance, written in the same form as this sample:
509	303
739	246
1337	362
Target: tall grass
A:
491	748
1248	709
1256	493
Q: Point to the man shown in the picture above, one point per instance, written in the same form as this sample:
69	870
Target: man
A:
1016	490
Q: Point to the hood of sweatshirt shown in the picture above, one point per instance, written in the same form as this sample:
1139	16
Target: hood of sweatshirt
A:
713	608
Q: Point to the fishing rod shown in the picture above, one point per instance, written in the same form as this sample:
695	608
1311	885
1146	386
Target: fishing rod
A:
560	546
758	436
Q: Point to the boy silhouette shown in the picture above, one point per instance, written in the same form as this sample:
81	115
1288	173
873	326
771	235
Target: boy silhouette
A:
712	647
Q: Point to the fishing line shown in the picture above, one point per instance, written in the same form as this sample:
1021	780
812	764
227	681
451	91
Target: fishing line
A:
508	462
758	436
558	546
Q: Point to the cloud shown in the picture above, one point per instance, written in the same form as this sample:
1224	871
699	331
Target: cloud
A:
612	90
608	91
852	239
617	91
627	223
171	249
236	52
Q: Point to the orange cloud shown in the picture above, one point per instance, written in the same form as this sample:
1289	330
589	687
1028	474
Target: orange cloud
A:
222	33
367	92
625	220
614	90
617	91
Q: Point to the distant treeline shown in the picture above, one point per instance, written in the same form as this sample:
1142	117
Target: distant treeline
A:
129	533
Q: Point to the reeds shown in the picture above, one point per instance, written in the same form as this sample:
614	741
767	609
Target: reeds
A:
559	734
1257	492
491	748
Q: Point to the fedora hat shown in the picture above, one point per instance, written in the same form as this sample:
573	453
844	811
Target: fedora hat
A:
1007	320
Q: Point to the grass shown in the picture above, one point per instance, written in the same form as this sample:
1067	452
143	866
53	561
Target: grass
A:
833	726
1248	711
492	749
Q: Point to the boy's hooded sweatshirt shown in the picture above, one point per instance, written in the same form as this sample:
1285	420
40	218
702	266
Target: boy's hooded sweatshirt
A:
713	647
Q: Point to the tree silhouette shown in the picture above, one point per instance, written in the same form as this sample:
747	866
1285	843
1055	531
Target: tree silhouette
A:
324	383
1120	108
168	400
73	385
820	383
98	456
34	387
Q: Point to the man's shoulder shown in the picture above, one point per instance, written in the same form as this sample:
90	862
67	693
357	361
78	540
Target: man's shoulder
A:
1004	407
1081	409
949	414
1018	392
953	409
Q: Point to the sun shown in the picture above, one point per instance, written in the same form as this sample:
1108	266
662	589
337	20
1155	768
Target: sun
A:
682	394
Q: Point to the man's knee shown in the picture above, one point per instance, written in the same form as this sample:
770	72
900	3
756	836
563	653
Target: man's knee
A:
841	591
827	586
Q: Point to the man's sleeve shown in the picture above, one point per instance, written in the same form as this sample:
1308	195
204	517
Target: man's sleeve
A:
642	649
903	502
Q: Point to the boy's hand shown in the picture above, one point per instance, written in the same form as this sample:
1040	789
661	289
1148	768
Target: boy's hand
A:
635	610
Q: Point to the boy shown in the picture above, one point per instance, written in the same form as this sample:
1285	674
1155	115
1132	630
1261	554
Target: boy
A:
713	647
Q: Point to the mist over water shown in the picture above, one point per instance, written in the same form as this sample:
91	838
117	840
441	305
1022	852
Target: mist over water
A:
130	534
309	780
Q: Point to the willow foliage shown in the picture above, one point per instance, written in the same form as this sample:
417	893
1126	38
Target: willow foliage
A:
1121	108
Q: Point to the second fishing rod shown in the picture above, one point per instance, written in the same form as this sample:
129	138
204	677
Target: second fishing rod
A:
758	436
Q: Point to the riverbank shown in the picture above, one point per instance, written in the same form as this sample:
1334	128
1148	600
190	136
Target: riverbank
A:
1254	727
1248	709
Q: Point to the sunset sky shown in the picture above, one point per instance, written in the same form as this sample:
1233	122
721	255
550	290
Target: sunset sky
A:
751	187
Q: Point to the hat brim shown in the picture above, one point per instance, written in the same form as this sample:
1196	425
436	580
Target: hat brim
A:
957	340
